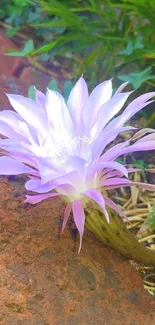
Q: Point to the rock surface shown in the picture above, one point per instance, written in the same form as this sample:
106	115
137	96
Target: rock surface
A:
43	281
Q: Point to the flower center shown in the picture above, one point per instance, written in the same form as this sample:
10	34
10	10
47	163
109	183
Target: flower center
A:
78	146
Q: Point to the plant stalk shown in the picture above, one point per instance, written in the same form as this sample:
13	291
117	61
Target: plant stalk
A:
117	236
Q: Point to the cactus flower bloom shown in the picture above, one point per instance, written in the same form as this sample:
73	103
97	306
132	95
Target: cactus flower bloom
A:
62	147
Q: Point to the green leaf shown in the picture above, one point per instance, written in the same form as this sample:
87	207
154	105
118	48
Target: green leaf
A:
91	57
28	47
53	85
61	10
138	43
128	50
27	50
45	48
11	32
31	92
14	53
68	85
120	161
138	78
151	218
141	163
44	57
131	46
53	23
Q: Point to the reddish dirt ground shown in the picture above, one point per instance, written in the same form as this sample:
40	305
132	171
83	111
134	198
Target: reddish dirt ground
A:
42	280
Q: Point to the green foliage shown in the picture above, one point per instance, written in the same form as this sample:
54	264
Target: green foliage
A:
31	92
138	78
26	51
11	10
151	218
29	49
19	14
106	36
53	85
138	163
131	46
141	164
101	39
68	85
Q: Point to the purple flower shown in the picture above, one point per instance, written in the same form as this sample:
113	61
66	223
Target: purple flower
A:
62	147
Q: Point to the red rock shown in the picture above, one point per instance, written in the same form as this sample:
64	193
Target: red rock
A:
11	85
27	75
44	282
35	77
8	64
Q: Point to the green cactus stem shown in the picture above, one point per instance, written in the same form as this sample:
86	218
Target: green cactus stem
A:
117	236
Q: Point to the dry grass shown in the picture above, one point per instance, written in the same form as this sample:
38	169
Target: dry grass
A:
137	205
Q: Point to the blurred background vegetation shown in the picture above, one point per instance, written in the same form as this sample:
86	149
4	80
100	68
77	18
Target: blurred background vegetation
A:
100	39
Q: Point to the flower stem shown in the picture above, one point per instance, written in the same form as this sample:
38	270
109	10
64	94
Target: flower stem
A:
117	236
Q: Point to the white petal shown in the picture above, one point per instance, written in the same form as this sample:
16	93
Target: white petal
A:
15	146
38	198
119	90
100	95
79	218
108	111
66	215
98	198
114	206
14	127
40	98
36	186
58	116
10	166
76	101
31	112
